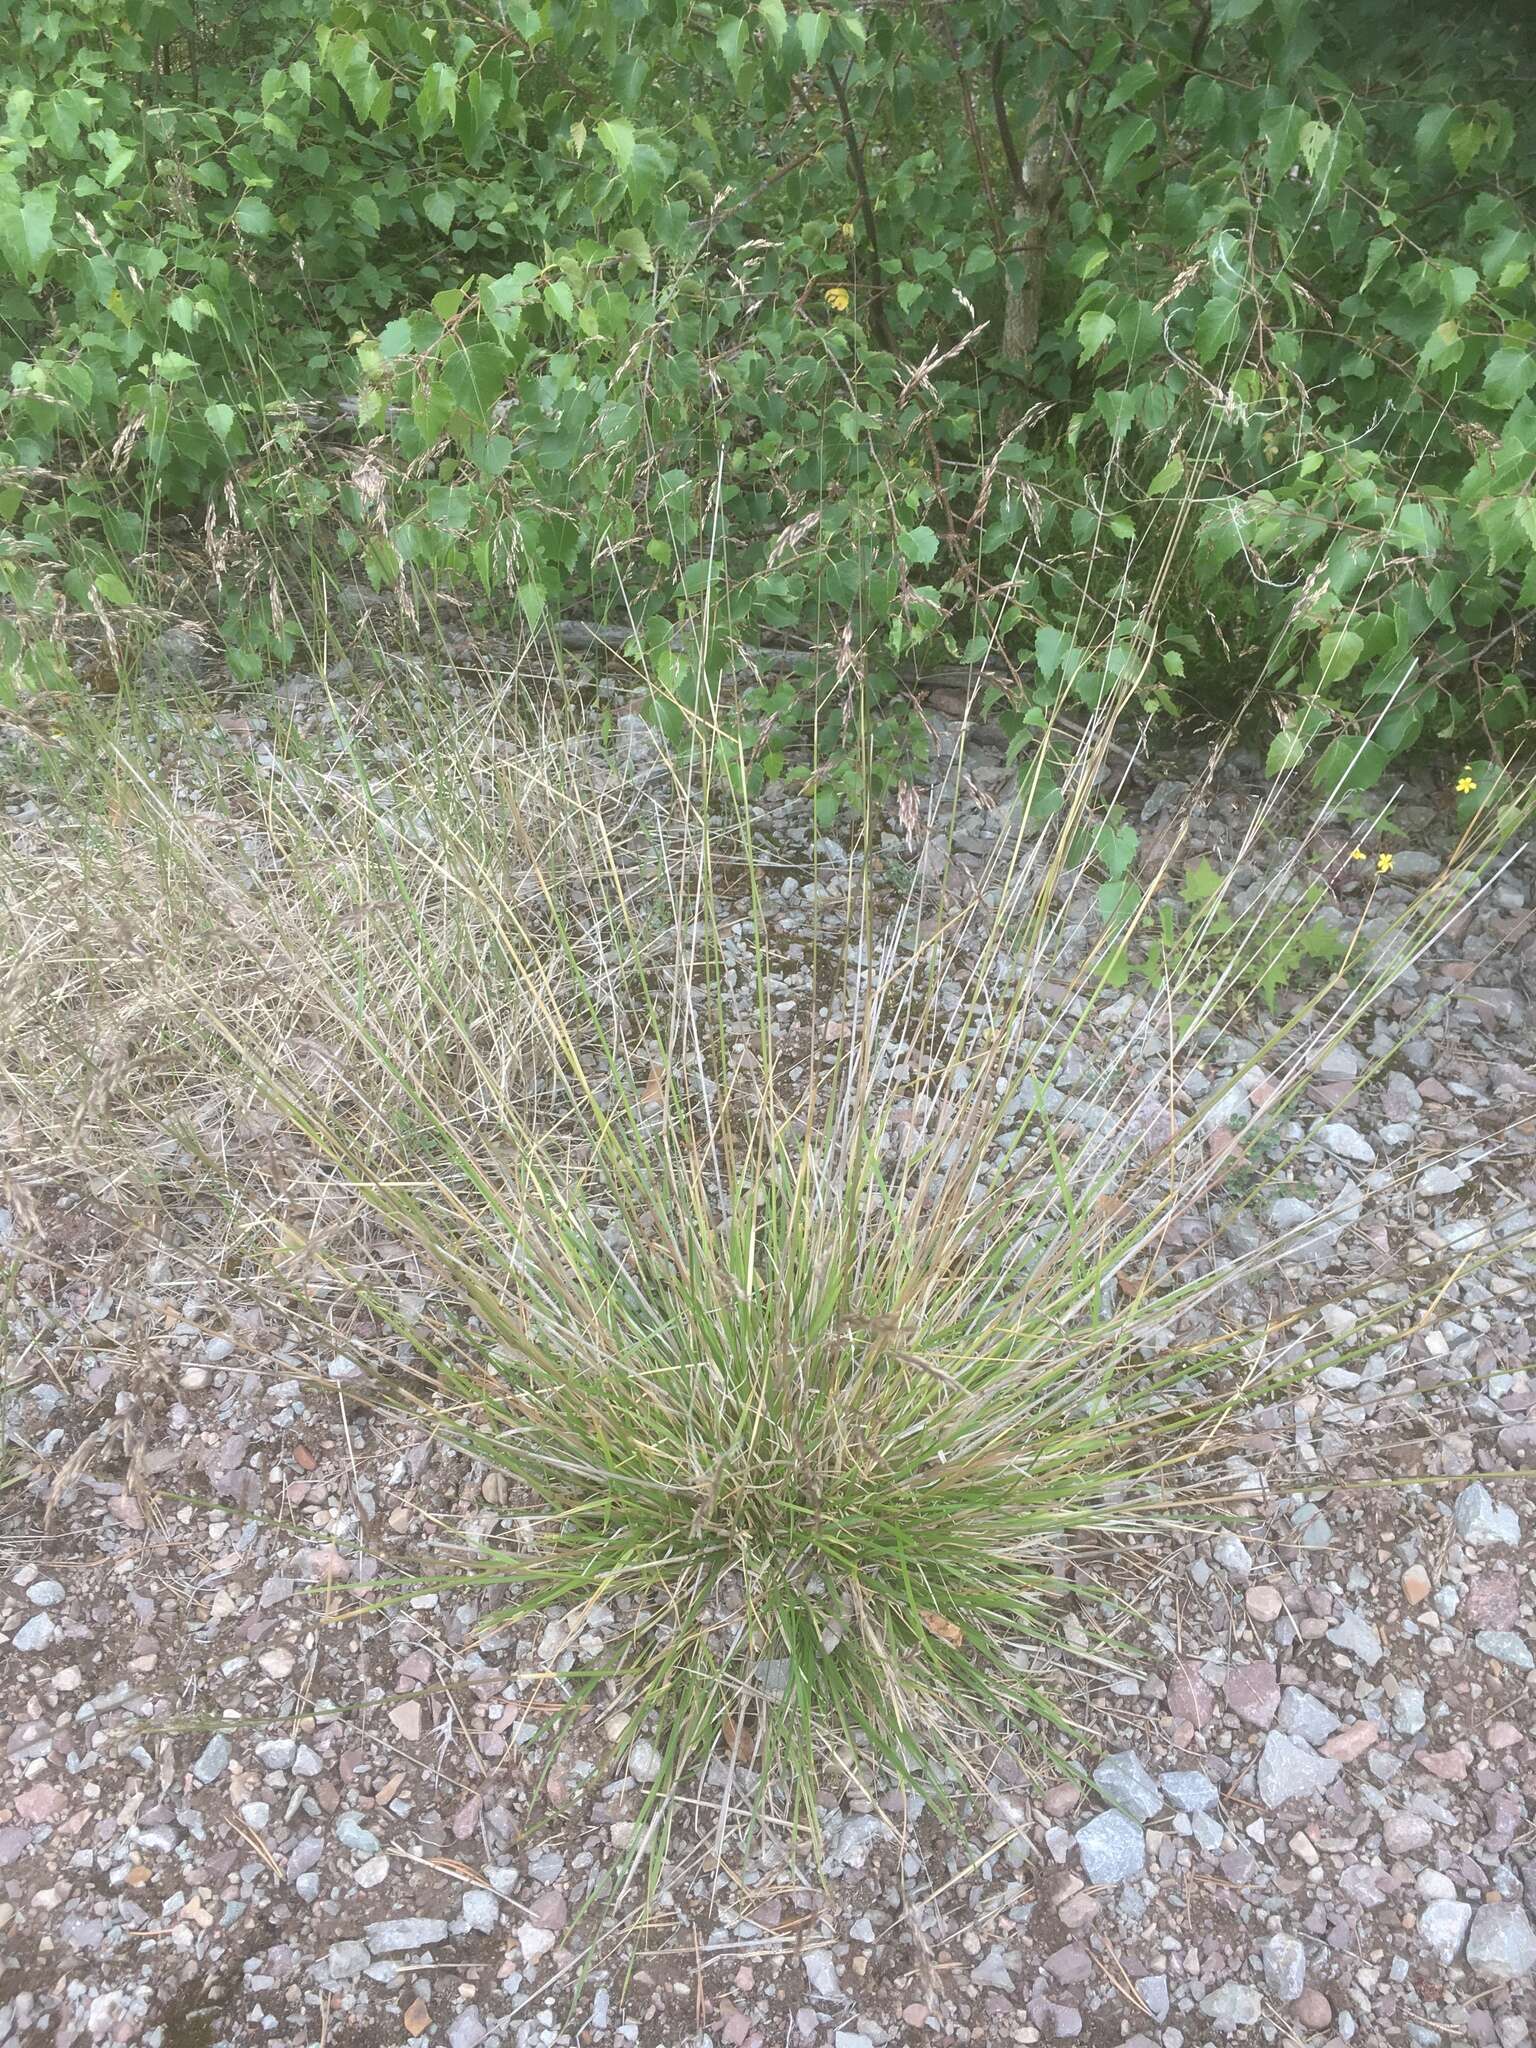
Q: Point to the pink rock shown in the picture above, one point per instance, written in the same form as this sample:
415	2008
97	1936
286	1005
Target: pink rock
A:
1189	1697
40	1802
407	1719
1253	1693
1503	1735
1450	1765
1493	1598
1352	1741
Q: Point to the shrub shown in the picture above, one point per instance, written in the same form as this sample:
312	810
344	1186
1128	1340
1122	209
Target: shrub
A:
1199	353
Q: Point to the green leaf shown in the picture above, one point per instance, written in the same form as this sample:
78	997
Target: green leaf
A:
113	588
476	377
436	100
1166	477
26	231
1216	329
618	138
731	37
253	216
774	20
1281	129
811	26
439	209
1337	654
1225	12
1509	374
919	544
1133	134
1093	330
395	340
1314	139
826	806
221	418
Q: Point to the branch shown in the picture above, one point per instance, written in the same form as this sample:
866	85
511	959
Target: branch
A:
866	206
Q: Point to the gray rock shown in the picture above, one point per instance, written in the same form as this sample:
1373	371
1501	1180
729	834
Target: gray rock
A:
1410	864
480	1912
1289	1212
1124	1782
1209	1832
1404	1832
1401	1098
1292	1769
843	2039
398	1937
35	1634
1408	1710
347	1959
1345	1142
1190	1791
1302	1714
1480	1519
855	1838
1442	1180
1233	2006
352	1835
645	1762
1233	1555
213	1762
1285	1967
468	2030
821	1974
1355	1635
992	1972
1112	1849
277	1754
1502	1944
370	1875
45	1593
1443	1928
1505	1647
1153	1993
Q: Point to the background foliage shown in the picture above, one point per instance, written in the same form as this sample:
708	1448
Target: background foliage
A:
1182	341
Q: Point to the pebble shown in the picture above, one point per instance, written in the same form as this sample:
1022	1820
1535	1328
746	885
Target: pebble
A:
352	1835
1408	1710
1480	1519
645	1762
35	1634
1355	1636
1443	1928
1404	1832
1505	1647
1233	2006
370	1875
1312	2011
1264	1603
213	1762
1190	1791
480	1911
1502	1944
1285	1967
1112	1848
45	1593
535	1941
821	1974
1345	1142
1304	1715
855	1838
277	1663
1291	1769
397	1937
1252	1693
1416	1585
1125	1783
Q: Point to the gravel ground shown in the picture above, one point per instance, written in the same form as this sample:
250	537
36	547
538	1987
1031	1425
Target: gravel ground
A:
240	1807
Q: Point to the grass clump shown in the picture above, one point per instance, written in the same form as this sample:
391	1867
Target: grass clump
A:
841	1282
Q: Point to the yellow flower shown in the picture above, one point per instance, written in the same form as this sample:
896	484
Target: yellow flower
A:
836	296
1357	853
1465	786
1383	863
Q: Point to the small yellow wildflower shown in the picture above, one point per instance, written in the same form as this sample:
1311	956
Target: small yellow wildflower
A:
1357	853
836	296
1465	786
1383	863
